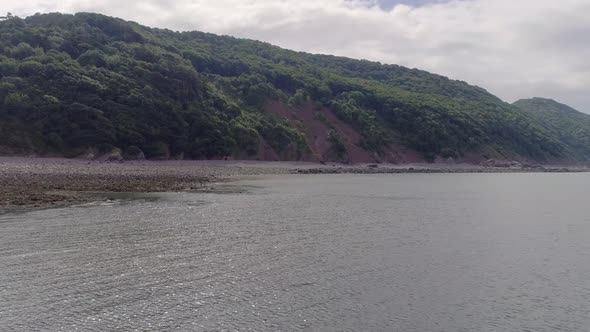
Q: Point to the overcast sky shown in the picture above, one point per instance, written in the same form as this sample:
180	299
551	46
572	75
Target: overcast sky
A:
513	48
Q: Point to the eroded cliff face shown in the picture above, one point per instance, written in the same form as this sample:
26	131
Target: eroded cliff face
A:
329	138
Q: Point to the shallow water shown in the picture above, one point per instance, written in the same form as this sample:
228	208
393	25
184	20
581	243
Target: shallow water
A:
408	252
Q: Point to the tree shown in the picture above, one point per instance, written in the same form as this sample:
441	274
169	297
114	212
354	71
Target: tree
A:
97	81
23	50
7	17
92	58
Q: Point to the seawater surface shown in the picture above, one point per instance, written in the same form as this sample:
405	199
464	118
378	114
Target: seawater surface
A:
408	252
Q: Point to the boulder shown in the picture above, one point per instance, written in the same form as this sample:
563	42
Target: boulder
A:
134	153
113	156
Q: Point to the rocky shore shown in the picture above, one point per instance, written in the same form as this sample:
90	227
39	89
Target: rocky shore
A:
47	182
375	169
51	182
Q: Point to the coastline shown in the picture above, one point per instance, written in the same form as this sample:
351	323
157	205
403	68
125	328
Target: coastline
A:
37	183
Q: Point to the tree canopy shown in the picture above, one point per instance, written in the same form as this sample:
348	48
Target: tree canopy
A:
73	82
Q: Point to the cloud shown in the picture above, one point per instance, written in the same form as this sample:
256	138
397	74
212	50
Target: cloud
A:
515	49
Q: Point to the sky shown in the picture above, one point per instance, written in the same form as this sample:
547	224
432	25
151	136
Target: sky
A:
513	48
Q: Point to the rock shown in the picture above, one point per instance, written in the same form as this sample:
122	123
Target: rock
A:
531	166
114	155
90	154
499	163
134	153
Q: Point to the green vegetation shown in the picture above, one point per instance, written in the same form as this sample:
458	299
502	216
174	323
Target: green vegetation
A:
572	127
73	82
337	147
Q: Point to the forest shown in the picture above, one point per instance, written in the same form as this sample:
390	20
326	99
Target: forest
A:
74	83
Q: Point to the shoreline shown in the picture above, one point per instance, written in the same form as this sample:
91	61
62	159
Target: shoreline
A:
38	183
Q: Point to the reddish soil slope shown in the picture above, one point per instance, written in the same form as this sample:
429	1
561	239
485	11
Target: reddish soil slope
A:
316	122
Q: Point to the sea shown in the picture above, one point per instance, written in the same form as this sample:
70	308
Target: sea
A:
342	252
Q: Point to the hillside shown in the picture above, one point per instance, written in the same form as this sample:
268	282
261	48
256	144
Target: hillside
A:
70	84
571	126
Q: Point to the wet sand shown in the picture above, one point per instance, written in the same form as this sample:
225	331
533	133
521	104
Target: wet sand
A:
50	182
